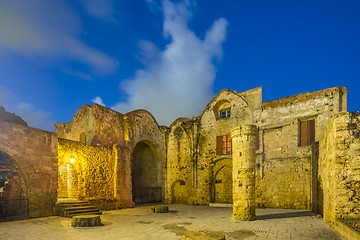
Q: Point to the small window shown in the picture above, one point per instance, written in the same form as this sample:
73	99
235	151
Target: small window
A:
307	132
218	181
179	132
223	145
225	113
182	182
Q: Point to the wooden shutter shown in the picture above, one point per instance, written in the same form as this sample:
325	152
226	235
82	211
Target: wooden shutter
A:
311	128
307	132
218	145
228	144
303	133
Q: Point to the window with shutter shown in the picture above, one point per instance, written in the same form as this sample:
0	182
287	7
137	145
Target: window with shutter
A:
223	145
307	132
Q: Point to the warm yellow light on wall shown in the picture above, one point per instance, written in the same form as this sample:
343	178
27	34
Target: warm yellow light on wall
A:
72	160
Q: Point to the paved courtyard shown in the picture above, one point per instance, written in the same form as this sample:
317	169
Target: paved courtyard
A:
139	223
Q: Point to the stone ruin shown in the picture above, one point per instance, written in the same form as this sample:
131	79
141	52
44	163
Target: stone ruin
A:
300	152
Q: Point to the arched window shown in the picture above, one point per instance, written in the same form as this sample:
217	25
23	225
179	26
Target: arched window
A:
222	109
179	132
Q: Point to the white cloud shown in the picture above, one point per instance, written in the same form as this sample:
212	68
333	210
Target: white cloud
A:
178	81
47	29
33	117
99	101
101	9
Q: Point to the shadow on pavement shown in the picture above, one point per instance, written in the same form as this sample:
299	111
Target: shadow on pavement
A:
285	215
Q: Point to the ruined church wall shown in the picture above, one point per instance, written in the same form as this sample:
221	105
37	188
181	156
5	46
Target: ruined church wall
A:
214	172
107	128
35	153
102	126
95	170
339	169
284	175
181	164
143	128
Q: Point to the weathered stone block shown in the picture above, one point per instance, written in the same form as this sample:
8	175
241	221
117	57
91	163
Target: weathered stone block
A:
160	209
86	221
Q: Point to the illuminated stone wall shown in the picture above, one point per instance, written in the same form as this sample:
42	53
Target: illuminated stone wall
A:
180	165
339	169
86	172
284	171
104	127
285	174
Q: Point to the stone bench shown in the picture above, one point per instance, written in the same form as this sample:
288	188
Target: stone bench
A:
160	209
203	235
86	221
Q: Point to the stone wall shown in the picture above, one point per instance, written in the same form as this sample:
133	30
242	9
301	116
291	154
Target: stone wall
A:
86	172
339	169
35	153
104	127
180	177
196	174
284	169
284	172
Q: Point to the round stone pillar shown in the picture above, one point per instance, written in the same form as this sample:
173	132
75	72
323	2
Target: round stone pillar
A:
243	155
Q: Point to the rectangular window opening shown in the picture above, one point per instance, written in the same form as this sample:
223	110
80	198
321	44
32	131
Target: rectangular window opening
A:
307	132
223	145
225	113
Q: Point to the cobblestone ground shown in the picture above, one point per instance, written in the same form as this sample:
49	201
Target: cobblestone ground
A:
140	223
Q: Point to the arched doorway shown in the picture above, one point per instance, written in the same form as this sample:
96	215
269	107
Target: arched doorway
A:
221	181
13	192
146	174
68	181
223	185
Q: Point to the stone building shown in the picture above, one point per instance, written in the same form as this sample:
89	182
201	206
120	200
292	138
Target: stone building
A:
297	152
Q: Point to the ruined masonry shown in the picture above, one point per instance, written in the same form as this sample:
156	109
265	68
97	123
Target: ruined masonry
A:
300	152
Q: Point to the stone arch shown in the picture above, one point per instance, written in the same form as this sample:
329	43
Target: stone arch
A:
68	181
146	173
221	182
82	138
13	188
179	195
221	105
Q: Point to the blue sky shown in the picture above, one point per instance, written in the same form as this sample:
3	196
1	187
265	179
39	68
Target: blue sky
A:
170	57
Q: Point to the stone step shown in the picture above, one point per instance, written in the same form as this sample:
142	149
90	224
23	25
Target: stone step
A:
67	212
69	208
82	212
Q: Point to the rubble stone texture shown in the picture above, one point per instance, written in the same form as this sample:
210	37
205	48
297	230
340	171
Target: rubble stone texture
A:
86	221
243	142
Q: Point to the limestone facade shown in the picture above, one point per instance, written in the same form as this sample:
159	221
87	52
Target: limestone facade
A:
305	155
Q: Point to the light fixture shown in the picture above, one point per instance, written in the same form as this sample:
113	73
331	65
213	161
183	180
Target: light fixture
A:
72	160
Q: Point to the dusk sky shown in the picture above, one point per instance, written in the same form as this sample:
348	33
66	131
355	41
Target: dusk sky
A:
170	57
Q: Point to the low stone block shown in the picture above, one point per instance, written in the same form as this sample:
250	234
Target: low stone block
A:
203	235
160	209
86	221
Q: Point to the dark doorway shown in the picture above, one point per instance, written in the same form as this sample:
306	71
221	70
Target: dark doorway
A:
13	197
146	175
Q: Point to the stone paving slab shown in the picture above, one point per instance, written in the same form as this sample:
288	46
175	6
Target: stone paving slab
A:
139	223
